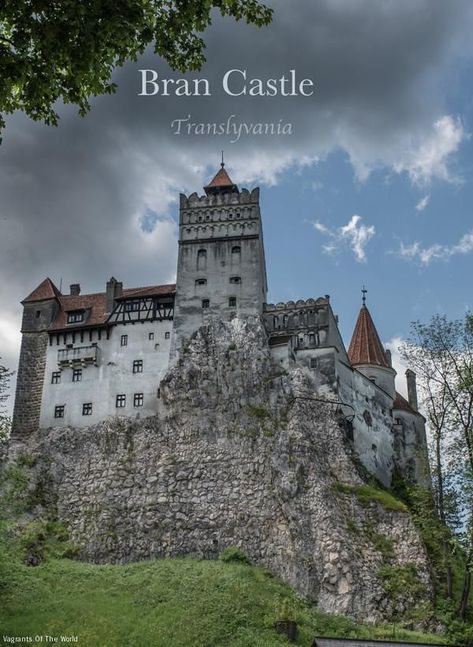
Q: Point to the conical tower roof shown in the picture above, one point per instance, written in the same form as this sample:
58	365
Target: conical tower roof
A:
365	346
221	183
45	290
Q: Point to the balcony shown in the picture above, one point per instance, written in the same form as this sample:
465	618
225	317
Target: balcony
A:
81	356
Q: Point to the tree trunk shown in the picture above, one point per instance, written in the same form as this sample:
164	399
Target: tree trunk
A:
463	606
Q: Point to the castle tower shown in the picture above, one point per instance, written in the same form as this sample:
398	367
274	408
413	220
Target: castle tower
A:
221	269
39	309
366	353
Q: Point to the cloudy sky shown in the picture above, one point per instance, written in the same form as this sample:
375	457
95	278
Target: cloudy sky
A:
372	187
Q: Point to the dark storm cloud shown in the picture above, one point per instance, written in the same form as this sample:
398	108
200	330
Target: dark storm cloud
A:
73	198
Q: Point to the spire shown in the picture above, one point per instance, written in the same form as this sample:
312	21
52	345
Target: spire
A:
365	346
45	290
221	182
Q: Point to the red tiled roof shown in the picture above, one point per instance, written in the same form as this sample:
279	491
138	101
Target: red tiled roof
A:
221	180
95	305
45	290
365	346
150	291
402	404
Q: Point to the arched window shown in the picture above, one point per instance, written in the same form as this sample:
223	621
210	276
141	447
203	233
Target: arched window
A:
236	249
201	281
235	279
202	259
275	323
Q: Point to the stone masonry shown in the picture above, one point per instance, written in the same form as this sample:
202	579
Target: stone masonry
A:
238	455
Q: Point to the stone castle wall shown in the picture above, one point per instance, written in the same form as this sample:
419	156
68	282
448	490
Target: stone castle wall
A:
236	457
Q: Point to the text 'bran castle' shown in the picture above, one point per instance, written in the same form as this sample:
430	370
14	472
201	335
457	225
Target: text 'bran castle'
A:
86	357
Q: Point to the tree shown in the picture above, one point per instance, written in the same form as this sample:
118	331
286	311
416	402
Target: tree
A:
67	49
441	353
5	422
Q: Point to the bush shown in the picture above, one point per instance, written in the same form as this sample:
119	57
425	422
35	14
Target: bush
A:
234	554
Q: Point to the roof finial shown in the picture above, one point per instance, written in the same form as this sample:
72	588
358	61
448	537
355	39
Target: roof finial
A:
364	291
222	164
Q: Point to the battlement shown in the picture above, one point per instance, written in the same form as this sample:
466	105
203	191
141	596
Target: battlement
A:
307	321
194	201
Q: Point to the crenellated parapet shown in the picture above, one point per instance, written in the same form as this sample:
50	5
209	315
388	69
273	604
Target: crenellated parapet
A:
306	320
243	197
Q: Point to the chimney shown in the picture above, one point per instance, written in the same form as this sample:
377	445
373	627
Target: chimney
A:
74	289
114	289
389	358
412	389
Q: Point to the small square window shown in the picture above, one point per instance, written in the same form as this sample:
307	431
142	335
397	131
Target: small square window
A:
59	411
124	340
132	306
120	401
138	400
167	335
75	317
138	366
87	409
205	304
151	335
232	302
201	281
156	347
55	377
77	375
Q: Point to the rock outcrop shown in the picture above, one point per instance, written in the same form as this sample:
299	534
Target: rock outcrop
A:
242	454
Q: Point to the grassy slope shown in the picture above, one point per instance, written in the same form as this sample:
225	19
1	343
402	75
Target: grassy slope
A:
162	603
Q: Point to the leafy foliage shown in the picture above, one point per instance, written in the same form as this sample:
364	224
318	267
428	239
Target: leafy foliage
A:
5	421
441	353
66	50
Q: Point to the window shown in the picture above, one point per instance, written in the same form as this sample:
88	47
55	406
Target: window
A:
120	402
38	314
158	393
313	362
132	306
236	249
205	304
138	366
201	259
76	374
59	411
75	317
232	302
124	340
87	409
201	281
167	335
151	335
156	347
55	377
138	400
235	279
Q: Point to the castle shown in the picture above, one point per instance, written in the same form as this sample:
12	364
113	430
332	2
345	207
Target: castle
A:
87	357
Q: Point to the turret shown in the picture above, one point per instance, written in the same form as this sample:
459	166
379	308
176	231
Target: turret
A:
367	355
39	311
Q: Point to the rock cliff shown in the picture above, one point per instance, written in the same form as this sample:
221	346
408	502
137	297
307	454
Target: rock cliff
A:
239	455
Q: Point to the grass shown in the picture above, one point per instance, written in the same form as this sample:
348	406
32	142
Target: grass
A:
367	494
178	602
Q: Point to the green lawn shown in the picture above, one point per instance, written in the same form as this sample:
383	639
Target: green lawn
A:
162	603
